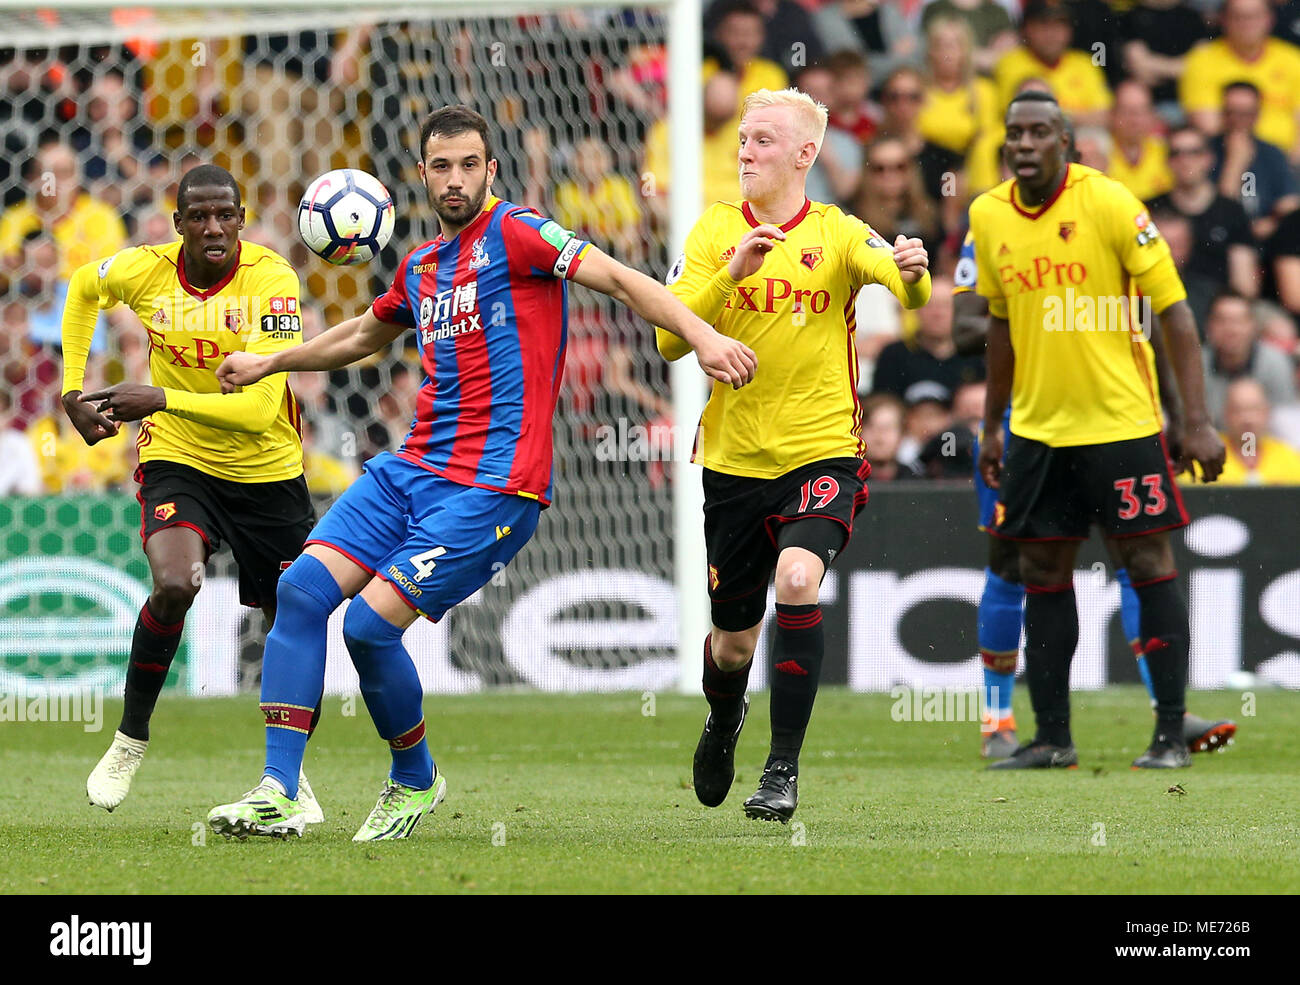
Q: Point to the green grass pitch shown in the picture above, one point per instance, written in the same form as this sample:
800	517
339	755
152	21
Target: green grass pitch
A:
552	793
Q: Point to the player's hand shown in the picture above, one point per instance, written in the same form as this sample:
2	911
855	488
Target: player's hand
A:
1175	439
240	369
90	423
1204	447
990	460
127	401
726	360
751	250
911	258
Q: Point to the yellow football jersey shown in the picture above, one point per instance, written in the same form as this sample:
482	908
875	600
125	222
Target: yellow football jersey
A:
248	436
1078	84
1064	274
1149	176
1211	65
1276	464
796	313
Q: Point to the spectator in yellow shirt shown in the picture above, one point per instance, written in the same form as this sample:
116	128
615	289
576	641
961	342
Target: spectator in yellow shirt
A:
1137	159
741	32
599	204
719	149
1255	458
84	229
1079	85
960	112
1245	53
69	465
327	475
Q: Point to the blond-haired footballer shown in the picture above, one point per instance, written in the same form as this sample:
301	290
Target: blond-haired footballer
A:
784	466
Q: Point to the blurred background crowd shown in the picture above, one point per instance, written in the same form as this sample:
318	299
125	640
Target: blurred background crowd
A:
1193	104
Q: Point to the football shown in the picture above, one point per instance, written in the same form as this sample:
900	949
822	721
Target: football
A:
346	216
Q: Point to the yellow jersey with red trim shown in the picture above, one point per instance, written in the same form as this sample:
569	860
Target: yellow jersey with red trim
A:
252	435
1078	85
1066	276
796	313
1275	72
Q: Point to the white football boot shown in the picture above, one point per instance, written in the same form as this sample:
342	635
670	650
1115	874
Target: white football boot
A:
110	780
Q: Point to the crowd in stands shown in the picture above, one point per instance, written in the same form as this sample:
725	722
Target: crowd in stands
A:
1192	104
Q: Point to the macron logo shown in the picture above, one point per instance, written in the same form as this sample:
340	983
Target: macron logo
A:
102	939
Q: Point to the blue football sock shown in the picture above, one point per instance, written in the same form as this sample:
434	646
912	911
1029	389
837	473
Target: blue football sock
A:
293	665
1130	616
391	688
1000	616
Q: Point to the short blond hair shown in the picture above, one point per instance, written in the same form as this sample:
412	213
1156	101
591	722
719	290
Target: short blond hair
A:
810	115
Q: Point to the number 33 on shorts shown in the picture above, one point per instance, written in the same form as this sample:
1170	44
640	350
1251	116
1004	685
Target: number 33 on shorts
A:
1130	505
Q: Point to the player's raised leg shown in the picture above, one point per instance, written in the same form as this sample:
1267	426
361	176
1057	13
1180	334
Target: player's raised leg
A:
176	555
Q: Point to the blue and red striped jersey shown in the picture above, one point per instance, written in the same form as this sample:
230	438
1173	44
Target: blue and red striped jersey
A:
491	307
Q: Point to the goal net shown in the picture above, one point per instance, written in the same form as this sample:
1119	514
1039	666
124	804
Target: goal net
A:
104	108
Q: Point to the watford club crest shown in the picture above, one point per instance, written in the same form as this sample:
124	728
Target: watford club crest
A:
713	577
165	511
1067	231
812	257
234	320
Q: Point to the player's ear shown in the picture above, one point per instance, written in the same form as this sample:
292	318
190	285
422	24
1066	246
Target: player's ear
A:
243	217
491	172
176	221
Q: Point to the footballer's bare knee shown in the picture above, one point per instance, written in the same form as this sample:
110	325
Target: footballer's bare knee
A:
798	576
1047	563
1004	559
732	650
350	576
1146	558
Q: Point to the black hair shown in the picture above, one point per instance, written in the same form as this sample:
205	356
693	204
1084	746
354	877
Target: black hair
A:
206	176
1242	84
1035	96
451	121
722	9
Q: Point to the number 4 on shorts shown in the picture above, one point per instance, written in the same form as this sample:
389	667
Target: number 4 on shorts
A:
424	562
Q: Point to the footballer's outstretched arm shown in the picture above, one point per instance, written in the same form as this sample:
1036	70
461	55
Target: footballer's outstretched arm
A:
724	359
335	348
